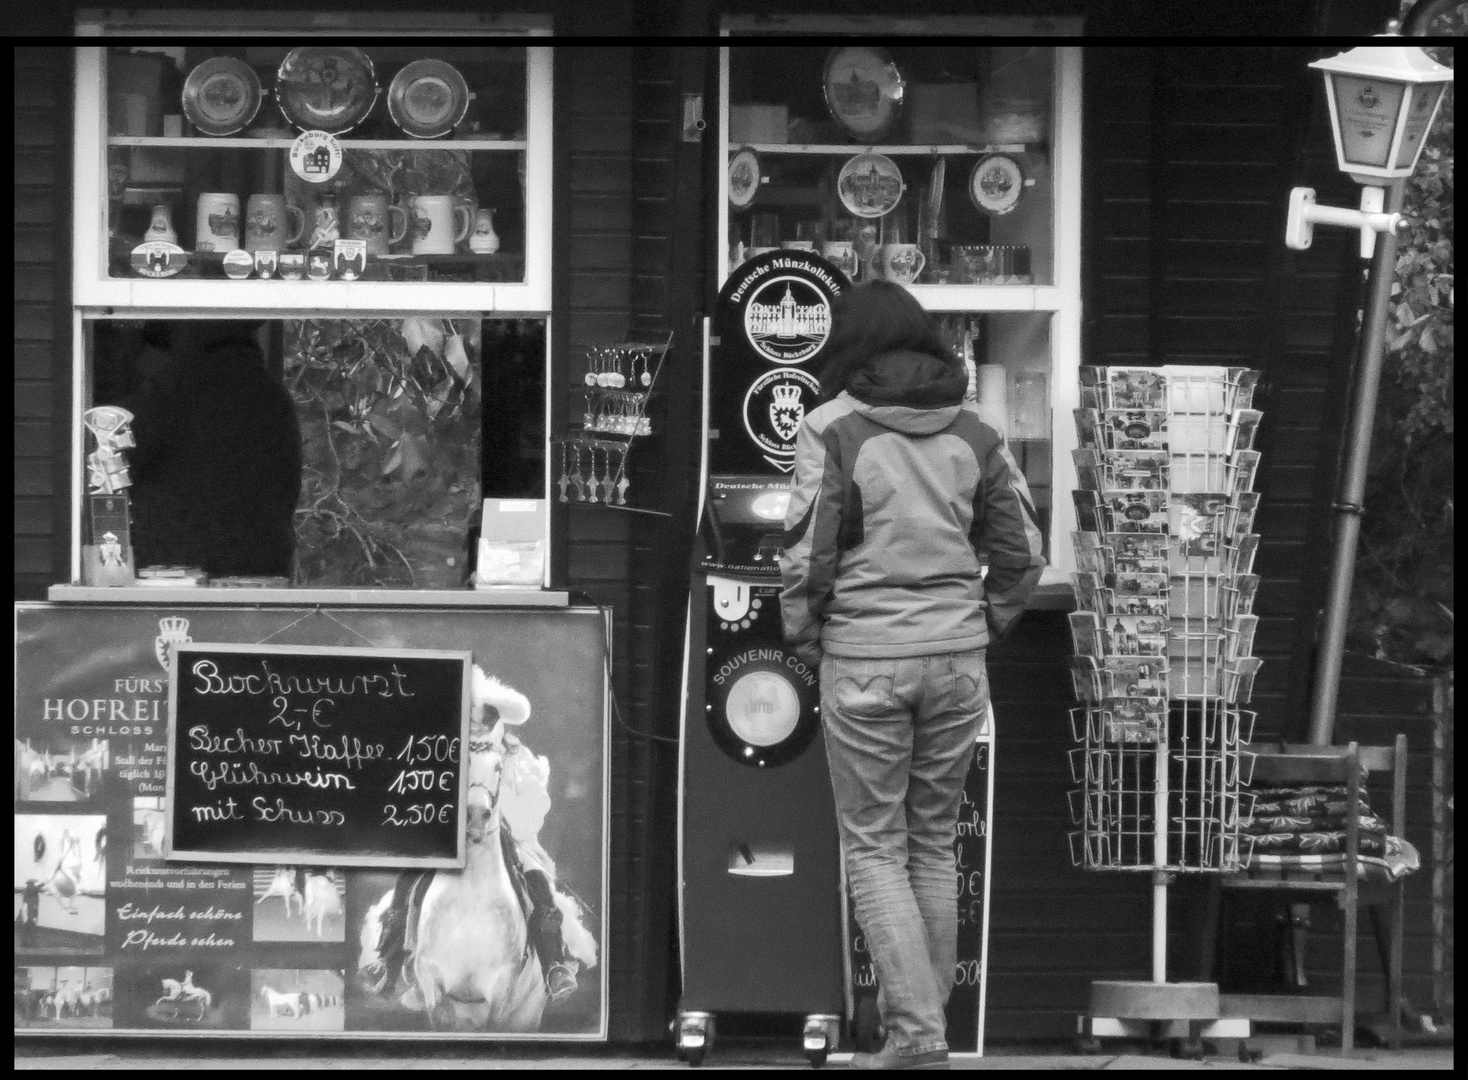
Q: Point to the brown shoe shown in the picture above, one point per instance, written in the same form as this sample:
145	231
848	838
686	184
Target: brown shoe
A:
889	1058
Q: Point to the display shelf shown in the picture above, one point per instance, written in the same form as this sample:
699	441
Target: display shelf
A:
885	148
202	142
499	596
981	298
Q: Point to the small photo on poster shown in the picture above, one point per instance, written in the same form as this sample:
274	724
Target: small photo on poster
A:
63	998
298	903
53	768
60	883
296	1000
182	996
149	825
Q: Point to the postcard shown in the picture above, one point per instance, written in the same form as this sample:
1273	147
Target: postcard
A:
1138	553
1136	511
1135	470
1137	388
1135	429
1134	635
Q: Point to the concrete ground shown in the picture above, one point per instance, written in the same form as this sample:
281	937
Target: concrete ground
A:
734	1054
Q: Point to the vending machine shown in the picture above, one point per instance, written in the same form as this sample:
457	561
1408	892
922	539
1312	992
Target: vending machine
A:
760	901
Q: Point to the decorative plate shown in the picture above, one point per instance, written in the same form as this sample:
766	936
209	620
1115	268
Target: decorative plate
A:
328	88
996	183
870	185
863	90
427	99
221	96
744	178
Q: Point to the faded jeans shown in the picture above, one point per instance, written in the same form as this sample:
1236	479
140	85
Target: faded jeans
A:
899	738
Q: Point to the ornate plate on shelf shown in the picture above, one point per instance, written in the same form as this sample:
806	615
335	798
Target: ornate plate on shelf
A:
744	178
221	96
427	99
996	184
870	185
863	90
329	88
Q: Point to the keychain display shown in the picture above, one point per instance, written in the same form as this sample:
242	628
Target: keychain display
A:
618	383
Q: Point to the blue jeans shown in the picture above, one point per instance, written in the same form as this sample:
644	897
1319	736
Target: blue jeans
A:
899	738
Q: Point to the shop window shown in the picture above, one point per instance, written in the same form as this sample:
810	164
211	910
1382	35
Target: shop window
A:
953	170
384	435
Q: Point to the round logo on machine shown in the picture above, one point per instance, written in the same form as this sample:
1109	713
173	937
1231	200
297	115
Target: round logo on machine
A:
787	319
774	406
762	708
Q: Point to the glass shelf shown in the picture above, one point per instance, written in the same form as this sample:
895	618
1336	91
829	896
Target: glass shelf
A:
242	143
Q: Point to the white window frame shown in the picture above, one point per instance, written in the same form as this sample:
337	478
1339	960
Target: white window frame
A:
1061	299
96	296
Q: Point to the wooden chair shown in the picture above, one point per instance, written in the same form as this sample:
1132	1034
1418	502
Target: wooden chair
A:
1290	765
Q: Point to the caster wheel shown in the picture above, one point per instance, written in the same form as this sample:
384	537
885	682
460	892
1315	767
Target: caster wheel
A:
1248	1055
866	1026
1189	1049
694	1056
817	1058
1087	1044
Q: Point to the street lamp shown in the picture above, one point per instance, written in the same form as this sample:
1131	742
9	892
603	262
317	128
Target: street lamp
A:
1383	100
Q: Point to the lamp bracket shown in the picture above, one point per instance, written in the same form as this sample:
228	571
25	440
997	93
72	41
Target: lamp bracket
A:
1305	214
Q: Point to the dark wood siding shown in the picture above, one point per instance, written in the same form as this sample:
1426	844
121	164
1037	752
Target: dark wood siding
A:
1183	263
42	318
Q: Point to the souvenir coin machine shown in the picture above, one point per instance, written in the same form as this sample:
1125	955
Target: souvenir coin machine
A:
761	914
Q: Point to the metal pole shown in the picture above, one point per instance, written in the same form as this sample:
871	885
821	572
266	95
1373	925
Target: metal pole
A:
1159	874
1347	506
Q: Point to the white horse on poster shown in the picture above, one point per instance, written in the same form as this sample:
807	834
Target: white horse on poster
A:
321	900
65	883
185	991
283	885
276	1001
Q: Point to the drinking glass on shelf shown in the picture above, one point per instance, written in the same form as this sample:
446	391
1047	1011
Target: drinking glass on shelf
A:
764	230
1030	418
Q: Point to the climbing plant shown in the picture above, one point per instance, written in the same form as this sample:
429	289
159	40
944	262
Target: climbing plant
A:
1402	604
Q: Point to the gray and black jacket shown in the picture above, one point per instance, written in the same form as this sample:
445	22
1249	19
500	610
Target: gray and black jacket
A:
899	489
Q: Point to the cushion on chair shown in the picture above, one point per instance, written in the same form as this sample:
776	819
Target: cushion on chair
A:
1304	829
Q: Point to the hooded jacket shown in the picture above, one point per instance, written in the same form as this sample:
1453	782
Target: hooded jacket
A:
899	490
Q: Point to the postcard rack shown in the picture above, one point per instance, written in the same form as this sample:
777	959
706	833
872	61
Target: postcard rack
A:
1165	632
592	458
1164	643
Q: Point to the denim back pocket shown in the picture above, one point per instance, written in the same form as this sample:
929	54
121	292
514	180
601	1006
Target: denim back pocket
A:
970	681
862	687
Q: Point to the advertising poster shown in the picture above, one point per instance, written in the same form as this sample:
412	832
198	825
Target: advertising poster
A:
110	936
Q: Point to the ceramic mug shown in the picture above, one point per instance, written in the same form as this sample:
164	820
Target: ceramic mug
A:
902	263
218	223
433	224
370	218
265	223
843	254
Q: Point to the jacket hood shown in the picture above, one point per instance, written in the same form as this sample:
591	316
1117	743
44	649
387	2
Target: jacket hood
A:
910	392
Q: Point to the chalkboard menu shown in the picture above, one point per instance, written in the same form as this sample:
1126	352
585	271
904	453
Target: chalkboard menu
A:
306	754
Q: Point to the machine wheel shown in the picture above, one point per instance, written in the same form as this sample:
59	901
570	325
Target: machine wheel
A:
1087	1044
817	1057
1247	1054
1190	1048
866	1026
694	1056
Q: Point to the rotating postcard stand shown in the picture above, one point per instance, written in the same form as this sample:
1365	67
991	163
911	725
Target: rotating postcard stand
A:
760	911
1164	642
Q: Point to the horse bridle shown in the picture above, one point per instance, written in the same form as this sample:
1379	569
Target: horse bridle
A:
488	746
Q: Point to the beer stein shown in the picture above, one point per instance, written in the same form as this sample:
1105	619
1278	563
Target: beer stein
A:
265	223
433	224
902	263
843	254
218	227
370	218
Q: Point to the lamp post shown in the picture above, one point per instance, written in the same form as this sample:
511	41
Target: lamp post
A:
1383	101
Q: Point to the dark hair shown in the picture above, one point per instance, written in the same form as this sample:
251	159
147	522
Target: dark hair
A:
871	319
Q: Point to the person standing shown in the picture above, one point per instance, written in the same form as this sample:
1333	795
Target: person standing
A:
899	490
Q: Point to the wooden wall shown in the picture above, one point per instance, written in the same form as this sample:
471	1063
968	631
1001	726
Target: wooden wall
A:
42	318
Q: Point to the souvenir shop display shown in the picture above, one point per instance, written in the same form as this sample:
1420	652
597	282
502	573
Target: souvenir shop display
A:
592	460
1163	637
427	99
221	96
864	91
329	88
